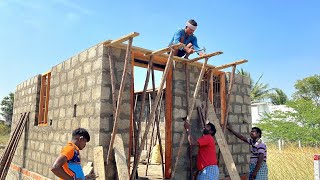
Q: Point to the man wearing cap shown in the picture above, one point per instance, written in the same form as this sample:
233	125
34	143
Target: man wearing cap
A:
186	37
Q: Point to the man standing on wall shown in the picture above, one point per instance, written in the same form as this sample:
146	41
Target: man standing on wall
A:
186	37
258	166
68	165
206	159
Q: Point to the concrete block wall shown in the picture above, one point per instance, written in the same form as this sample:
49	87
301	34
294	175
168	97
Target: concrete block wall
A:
76	81
240	119
26	100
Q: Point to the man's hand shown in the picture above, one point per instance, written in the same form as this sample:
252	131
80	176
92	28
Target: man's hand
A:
190	50
186	125
254	175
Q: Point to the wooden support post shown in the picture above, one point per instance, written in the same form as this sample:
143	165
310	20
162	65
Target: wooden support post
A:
117	113
188	101
168	123
120	157
152	113
195	94
223	97
143	100
231	81
98	163
231	167
205	56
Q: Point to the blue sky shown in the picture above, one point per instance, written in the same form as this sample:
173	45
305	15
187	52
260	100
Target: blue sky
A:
279	38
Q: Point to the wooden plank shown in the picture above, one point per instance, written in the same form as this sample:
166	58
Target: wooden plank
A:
98	163
211	87
117	113
229	64
146	66
168	123
226	154
151	118
195	94
205	56
47	98
120	157
187	79
122	39
166	49
223	97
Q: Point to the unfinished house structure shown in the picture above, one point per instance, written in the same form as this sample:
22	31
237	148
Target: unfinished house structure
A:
95	90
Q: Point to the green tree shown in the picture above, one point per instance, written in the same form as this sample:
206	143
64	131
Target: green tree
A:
7	107
259	91
300	123
308	88
278	97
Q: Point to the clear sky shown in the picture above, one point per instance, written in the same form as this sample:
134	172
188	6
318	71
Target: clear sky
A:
279	38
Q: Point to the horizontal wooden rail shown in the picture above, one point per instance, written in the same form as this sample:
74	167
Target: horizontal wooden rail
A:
164	50
122	39
205	56
229	64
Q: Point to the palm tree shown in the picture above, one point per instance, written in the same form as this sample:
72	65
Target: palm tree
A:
259	91
278	97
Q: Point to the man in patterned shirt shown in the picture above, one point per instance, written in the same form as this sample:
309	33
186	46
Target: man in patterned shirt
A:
258	166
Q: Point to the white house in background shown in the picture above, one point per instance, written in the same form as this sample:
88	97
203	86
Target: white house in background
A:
258	109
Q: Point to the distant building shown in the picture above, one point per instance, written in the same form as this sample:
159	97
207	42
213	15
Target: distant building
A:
258	109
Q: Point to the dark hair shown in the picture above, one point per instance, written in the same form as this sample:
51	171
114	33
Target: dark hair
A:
81	132
258	130
193	22
213	128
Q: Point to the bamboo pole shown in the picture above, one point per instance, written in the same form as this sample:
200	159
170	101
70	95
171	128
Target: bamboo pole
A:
152	115
195	94
117	112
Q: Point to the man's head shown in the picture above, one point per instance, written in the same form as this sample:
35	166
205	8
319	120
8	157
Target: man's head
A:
191	26
255	133
80	136
209	129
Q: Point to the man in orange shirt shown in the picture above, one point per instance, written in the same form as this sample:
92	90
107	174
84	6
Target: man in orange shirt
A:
68	165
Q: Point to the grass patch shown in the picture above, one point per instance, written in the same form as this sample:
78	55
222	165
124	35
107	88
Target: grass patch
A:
291	162
4	133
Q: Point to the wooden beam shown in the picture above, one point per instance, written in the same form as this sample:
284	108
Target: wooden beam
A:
151	118
205	56
132	104
224	148
117	113
122	39
146	66
120	157
229	64
98	163
168	124
166	49
195	94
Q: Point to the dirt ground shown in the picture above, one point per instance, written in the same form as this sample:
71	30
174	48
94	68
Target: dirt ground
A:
154	171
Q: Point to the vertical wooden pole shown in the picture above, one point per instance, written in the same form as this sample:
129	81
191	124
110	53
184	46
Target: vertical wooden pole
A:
132	105
188	101
152	113
117	113
223	97
229	96
168	125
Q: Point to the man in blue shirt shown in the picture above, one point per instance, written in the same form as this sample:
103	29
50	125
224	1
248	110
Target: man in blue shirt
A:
186	37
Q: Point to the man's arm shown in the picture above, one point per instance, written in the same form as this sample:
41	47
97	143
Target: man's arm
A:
58	170
176	37
258	165
237	134
191	139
